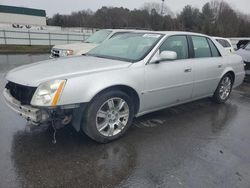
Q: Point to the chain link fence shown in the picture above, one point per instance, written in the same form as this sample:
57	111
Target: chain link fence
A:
29	37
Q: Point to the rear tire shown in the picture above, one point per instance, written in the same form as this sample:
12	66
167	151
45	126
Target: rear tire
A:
108	116
224	89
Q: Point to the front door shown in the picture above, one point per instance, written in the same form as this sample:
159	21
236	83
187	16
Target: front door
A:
169	82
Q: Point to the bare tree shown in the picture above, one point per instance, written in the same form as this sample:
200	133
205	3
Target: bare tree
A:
158	7
216	18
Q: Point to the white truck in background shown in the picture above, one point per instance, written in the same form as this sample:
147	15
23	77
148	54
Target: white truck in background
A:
76	49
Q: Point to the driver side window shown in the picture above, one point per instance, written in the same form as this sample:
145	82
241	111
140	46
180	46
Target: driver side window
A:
177	44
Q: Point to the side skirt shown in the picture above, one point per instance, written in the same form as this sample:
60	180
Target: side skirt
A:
176	104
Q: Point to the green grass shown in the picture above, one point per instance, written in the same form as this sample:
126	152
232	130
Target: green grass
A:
19	49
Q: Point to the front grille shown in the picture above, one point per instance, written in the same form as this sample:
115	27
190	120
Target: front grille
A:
21	93
55	53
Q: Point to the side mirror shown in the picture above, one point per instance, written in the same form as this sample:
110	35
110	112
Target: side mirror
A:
164	56
167	55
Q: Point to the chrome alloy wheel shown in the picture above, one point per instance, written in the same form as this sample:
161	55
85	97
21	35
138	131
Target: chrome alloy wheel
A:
112	117
225	88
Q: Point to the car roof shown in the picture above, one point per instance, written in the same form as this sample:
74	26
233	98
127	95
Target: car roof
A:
158	32
126	30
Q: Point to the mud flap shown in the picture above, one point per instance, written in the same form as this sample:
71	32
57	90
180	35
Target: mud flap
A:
78	114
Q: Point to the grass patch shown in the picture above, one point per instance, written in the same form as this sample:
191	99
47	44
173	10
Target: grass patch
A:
21	49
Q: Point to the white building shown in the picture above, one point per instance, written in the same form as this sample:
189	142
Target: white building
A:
22	17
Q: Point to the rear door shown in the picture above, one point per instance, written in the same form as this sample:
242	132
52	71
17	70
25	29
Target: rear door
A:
208	66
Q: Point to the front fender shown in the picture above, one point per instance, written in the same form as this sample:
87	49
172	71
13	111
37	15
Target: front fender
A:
82	89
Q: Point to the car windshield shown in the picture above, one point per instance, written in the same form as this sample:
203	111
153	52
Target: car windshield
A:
130	47
98	37
247	47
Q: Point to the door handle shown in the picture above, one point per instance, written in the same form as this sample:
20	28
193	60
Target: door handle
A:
188	70
219	66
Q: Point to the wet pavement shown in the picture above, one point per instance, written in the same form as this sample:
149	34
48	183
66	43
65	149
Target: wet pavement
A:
199	144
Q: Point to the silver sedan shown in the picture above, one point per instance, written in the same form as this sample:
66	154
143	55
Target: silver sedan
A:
127	76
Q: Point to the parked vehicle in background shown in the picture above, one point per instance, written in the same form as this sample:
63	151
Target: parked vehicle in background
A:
94	40
245	54
226	43
130	75
242	43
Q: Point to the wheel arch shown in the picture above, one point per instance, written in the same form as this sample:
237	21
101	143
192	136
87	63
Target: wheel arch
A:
232	74
228	71
126	89
78	114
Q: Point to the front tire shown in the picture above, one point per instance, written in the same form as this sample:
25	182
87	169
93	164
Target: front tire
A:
224	89
108	116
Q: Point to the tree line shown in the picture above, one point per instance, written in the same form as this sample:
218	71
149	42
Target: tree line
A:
216	18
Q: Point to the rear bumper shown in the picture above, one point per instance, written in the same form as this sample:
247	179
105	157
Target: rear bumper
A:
30	113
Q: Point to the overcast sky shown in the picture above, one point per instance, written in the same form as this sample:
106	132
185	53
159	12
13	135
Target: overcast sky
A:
67	6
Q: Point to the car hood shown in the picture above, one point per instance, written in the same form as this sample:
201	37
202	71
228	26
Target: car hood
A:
245	54
83	47
62	68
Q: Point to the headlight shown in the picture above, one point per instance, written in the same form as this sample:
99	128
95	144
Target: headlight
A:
48	94
63	53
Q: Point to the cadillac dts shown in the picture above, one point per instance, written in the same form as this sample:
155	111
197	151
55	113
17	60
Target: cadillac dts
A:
128	76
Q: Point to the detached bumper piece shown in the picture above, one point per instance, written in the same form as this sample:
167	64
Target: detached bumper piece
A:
34	115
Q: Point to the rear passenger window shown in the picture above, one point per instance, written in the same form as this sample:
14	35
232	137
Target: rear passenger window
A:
177	44
201	47
214	50
221	42
228	45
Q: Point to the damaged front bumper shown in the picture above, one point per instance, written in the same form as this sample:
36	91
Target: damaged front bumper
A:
30	113
61	115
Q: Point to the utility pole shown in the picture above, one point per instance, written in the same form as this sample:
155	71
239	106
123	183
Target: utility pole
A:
162	7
